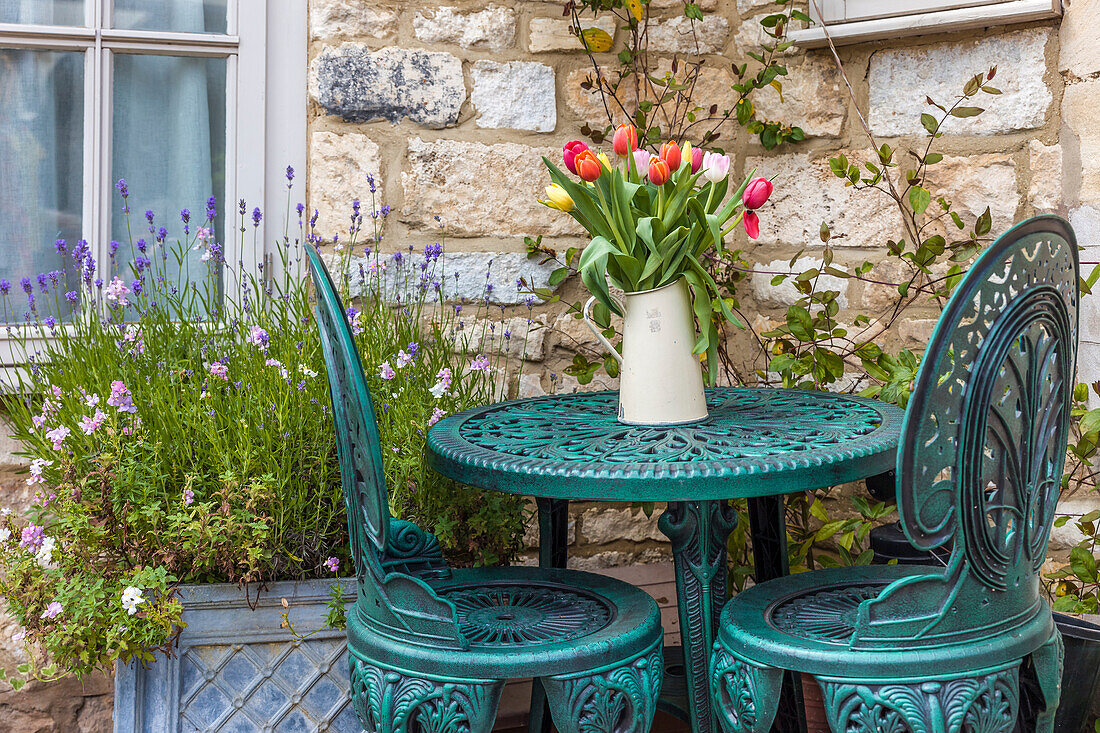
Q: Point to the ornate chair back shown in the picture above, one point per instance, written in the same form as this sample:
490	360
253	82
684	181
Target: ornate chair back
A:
983	445
394	559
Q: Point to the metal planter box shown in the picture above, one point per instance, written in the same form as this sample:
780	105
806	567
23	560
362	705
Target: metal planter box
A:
237	670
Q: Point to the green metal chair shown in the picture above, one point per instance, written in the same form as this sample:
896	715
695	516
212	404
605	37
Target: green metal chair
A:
430	647
939	649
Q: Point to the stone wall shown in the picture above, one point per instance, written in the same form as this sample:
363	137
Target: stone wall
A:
451	106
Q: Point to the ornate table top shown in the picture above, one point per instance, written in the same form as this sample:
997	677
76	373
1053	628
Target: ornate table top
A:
756	442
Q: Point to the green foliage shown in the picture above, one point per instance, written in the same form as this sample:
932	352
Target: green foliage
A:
179	436
662	101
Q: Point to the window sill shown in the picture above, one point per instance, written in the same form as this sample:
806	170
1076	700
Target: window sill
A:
1016	11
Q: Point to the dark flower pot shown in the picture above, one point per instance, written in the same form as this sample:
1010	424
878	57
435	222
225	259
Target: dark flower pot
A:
236	669
1081	674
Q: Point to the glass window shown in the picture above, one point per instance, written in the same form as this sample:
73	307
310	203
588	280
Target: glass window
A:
42	12
41	166
179	16
168	143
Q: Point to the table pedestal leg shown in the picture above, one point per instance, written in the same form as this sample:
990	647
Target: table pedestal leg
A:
768	528
553	553
699	532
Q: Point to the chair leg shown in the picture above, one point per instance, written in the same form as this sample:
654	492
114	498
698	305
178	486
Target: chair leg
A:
389	701
746	696
1048	660
982	703
620	698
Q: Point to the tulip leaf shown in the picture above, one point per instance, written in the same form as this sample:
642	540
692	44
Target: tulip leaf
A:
596	40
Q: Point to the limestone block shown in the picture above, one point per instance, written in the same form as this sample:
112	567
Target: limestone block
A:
517	94
493	28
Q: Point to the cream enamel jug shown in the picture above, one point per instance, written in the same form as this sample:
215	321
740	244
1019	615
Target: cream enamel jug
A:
660	379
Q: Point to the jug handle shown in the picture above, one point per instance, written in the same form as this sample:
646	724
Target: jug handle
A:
598	333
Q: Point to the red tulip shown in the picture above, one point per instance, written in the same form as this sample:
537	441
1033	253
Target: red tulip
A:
670	154
756	193
570	152
752	224
625	140
588	165
658	171
696	159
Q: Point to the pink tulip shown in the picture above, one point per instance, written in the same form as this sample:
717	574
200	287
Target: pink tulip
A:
696	159
756	193
752	224
641	161
716	166
570	152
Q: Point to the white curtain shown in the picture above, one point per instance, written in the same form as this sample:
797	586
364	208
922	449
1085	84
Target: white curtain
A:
41	157
169	123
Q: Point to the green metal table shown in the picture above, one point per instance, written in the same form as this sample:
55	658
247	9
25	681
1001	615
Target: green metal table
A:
757	444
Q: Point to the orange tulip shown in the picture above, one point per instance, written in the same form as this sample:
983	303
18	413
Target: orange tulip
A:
588	165
658	171
670	154
625	140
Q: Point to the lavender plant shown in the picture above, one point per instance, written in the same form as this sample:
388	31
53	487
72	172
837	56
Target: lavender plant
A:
179	435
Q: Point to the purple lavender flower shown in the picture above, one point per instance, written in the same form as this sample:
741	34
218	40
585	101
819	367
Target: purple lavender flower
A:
162	234
114	248
5	286
149	215
289	175
59	245
300	208
142	245
42	283
122	188
212	208
257	216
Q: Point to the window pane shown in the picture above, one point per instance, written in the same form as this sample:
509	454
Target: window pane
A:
42	12
169	145
41	166
179	16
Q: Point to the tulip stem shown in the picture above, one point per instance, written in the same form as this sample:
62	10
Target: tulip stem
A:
710	196
733	224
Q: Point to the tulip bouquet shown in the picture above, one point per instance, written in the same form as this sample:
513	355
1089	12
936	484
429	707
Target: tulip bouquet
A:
652	218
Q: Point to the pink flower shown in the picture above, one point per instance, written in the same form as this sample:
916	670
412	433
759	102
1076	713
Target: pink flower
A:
715	166
89	423
57	436
756	193
332	565
437	415
32	537
220	371
403	359
53	610
752	224
120	398
91	400
188	496
116	290
481	363
571	151
38	420
641	161
259	338
696	159
36	470
387	371
56	391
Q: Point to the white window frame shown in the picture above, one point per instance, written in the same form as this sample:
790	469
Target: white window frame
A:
266	60
859	21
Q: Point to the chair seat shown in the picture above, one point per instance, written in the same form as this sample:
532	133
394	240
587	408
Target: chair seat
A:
528	622
805	623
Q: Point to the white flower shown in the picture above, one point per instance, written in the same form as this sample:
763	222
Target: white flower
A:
306	370
439	389
132	598
5	534
44	556
91	400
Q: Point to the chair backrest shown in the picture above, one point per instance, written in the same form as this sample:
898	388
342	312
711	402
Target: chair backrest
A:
984	442
394	559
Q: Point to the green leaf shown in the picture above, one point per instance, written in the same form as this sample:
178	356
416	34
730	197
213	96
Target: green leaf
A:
966	111
932	158
929	122
1083	564
919	199
558	276
984	223
1090	421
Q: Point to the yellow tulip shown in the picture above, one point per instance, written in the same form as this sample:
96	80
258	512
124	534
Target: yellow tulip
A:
557	198
605	160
